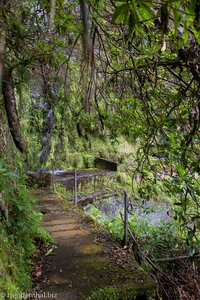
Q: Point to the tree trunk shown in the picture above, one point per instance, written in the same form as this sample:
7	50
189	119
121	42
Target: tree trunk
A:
52	14
1	60
87	55
11	109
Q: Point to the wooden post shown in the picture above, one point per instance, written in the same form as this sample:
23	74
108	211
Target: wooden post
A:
125	219
52	176
75	187
54	187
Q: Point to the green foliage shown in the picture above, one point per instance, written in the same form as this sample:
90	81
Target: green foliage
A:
161	240
158	237
115	227
180	190
17	233
140	15
96	215
63	192
134	98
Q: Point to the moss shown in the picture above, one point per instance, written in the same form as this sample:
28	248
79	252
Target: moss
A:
88	160
122	178
93	274
132	292
91	249
123	283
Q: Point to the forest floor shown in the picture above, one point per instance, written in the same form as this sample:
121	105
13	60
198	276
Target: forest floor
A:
84	257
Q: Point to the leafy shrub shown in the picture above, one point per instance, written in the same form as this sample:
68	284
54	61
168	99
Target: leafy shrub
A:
17	233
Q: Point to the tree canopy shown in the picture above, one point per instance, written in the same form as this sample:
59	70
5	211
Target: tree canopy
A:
108	68
83	78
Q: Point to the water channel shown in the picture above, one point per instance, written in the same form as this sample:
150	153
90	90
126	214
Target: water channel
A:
148	211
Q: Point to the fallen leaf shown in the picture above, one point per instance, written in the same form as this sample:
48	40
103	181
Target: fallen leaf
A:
38	274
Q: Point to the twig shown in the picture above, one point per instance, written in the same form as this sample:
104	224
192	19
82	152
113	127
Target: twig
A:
169	259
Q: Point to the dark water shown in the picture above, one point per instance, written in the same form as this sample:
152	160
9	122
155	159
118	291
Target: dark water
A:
110	207
150	211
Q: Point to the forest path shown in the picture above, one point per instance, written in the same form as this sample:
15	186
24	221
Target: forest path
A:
85	258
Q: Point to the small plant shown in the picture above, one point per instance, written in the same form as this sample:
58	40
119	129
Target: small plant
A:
18	232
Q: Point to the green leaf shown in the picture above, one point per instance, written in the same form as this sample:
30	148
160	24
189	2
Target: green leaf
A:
131	22
121	13
193	4
176	16
49	252
146	12
181	170
190	13
20	207
142	56
185	33
164	16
61	3
196	34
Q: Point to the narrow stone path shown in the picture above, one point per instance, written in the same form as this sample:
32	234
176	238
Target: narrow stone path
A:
85	258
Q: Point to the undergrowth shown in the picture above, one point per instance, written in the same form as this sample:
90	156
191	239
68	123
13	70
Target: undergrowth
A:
153	246
19	228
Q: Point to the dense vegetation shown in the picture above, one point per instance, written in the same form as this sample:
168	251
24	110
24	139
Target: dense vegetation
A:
19	228
117	79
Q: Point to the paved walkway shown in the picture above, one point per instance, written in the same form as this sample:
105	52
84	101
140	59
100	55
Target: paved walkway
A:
85	258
